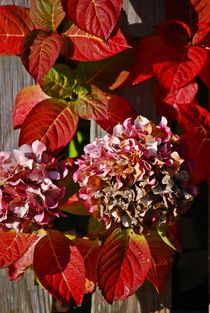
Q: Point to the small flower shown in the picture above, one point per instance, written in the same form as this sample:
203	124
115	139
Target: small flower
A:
135	176
29	187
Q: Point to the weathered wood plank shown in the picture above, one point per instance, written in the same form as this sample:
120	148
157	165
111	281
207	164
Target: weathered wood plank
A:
138	20
23	296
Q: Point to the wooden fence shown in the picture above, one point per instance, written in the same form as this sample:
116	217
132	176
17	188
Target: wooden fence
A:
25	296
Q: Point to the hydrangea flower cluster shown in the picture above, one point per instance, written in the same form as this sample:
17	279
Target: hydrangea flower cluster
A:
29	187
135	176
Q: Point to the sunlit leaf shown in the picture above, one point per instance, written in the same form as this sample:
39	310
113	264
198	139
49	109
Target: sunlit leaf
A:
39	52
174	75
50	121
59	267
15	23
81	46
25	100
13	246
59	82
96	17
123	264
46	14
18	268
183	95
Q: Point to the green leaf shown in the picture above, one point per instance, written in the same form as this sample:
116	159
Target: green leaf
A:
74	145
59	82
162	232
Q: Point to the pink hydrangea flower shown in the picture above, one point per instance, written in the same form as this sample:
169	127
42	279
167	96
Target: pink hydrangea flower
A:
29	187
135	176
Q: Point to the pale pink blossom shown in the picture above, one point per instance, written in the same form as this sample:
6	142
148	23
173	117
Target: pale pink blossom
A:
30	190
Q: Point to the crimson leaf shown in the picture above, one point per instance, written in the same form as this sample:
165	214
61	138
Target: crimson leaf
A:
15	23
118	110
96	17
39	52
124	262
174	75
59	267
50	121
81	46
25	100
18	268
13	246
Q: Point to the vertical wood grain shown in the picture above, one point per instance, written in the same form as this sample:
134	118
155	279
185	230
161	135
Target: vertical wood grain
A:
138	20
23	296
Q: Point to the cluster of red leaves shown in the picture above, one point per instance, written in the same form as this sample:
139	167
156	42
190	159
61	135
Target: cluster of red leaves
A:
176	55
69	267
48	35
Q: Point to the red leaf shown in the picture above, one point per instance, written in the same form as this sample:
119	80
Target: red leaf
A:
74	205
150	50
183	95
15	23
202	8
123	264
13	246
81	46
96	17
93	105
175	75
59	267
205	72
39	52
89	249
50	121
196	122
161	261
174	32
46	14
118	110
25	100
18	268
202	32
